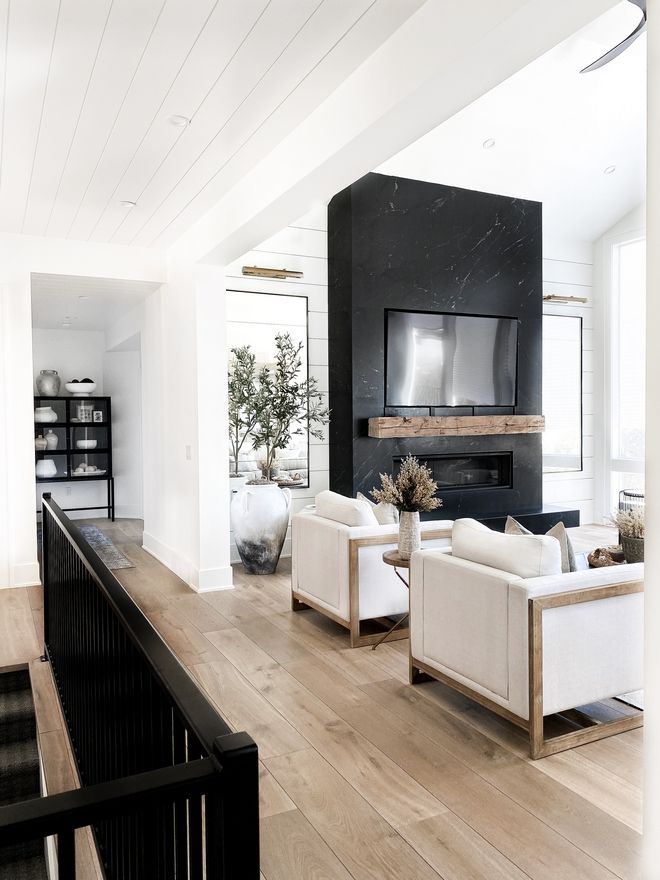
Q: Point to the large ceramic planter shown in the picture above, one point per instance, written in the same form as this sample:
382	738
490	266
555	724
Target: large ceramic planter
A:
259	519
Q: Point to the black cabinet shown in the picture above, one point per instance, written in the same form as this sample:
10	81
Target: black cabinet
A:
83	427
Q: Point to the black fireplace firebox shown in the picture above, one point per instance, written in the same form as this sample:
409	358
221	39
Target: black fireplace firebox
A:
493	470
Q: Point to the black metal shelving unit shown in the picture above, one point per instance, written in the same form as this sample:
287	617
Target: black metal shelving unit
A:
70	429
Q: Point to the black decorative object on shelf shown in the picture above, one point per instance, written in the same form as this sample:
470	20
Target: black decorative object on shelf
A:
84	443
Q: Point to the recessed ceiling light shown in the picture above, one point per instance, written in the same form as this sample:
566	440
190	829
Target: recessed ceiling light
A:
610	169
126	203
180	121
488	143
66	323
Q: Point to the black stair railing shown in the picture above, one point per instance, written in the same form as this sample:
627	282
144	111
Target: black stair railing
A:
169	790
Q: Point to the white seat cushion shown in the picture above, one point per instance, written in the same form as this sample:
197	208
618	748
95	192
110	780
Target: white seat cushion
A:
349	511
526	556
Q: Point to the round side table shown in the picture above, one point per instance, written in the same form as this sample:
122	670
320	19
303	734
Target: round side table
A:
391	557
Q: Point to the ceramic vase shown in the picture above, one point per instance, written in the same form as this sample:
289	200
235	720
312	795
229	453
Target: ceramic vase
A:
633	549
48	383
46	468
259	520
410	537
45	414
51	440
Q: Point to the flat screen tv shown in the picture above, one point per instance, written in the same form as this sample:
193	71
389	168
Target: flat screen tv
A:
438	359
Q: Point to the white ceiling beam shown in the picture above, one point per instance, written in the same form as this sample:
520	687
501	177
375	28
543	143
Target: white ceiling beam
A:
444	57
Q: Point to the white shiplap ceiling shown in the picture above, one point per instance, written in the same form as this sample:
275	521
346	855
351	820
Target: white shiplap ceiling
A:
555	132
89	87
82	303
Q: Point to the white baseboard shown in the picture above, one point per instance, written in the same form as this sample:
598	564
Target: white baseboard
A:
25	574
210	579
127	511
202	581
170	558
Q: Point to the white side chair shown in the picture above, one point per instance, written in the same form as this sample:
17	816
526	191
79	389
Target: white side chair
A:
338	570
497	620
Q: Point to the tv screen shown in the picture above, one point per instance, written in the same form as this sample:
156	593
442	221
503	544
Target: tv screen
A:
436	359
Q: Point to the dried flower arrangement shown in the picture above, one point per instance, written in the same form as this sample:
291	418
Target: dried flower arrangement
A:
412	490
630	523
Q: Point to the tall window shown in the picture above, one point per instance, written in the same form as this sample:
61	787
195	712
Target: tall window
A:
562	393
627	367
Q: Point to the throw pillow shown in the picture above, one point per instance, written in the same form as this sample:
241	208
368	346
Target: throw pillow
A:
527	556
348	511
568	561
385	513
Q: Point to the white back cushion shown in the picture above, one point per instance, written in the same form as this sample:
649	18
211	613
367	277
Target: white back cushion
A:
527	556
349	511
385	513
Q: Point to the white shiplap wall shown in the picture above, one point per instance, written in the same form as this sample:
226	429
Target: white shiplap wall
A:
303	247
568	270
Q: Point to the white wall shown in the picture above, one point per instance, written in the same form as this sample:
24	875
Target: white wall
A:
568	271
303	247
75	354
122	378
184	423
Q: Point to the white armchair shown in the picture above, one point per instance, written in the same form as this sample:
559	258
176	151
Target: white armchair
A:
523	639
338	570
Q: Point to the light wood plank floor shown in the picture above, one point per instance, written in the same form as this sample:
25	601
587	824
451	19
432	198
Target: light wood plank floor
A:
365	777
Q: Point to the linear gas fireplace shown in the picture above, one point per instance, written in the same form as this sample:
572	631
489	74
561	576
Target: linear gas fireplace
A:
492	470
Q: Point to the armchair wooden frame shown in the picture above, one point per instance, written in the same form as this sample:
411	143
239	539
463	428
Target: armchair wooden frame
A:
540	746
358	640
588	729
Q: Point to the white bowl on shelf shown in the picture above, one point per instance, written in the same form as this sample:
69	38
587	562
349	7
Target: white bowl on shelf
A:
80	389
86	444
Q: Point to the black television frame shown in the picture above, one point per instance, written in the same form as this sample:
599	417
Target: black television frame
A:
430	407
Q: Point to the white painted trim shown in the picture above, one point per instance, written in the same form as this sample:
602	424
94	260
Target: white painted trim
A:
609	300
24	574
169	557
127	511
200	580
651	809
213	579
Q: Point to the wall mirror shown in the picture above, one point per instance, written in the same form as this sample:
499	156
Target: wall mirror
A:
255	319
562	393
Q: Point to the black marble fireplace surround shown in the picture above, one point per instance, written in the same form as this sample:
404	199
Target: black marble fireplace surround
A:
395	243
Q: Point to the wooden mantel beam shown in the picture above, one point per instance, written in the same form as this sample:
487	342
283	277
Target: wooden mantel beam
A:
453	426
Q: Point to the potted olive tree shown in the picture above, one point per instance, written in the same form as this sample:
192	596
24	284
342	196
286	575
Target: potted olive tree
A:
242	384
283	404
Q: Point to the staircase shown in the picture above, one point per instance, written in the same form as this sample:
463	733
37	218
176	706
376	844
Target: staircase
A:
19	771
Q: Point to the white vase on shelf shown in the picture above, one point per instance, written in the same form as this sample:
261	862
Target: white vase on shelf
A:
46	468
51	440
48	383
45	414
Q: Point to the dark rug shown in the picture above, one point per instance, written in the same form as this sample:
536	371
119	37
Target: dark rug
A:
108	553
19	772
